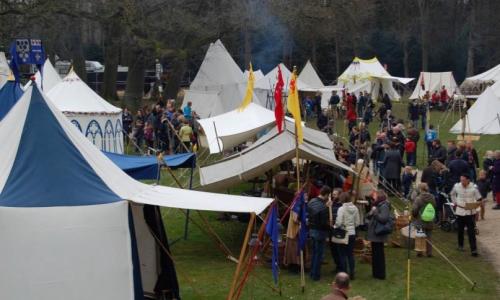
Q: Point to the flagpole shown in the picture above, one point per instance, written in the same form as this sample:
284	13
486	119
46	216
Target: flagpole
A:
302	269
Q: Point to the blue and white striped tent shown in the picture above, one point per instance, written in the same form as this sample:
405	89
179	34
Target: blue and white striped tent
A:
75	226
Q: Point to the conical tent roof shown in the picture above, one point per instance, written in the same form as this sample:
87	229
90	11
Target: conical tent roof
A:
9	94
219	85
50	77
434	81
309	76
4	69
269	81
370	75
484	115
75	96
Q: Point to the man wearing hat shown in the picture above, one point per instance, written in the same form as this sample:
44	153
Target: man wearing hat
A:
463	194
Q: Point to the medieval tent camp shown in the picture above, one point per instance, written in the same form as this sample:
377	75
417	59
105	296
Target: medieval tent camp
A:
434	81
96	118
267	152
484	115
369	75
73	224
476	84
4	69
10	92
219	85
49	77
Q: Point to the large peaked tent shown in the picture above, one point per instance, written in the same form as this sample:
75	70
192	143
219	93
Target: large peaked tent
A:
369	75
270	150
483	117
96	118
48	79
66	230
219	85
9	94
434	81
476	84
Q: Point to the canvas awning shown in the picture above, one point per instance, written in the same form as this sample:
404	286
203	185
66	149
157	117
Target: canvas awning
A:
269	151
146	167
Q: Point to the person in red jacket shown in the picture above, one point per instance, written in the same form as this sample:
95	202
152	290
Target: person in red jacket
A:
434	100
411	152
444	97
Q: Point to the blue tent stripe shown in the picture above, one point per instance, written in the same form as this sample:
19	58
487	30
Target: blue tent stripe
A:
146	167
48	169
9	94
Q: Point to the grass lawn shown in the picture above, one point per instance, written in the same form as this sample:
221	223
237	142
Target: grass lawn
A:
205	273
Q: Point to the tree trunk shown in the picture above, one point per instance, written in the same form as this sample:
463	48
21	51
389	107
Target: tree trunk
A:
313	52
135	81
337	56
78	59
248	47
406	56
471	42
111	50
424	36
175	77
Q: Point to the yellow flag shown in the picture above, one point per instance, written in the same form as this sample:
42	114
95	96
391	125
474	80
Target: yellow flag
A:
293	105
249	92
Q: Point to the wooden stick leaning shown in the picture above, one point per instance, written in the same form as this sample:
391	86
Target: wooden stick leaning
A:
241	258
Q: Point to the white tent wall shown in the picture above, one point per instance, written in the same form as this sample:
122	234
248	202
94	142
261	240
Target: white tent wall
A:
4	69
483	117
433	81
49	79
105	131
58	250
476	84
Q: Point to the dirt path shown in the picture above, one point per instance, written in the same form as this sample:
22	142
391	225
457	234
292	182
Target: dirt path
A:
488	239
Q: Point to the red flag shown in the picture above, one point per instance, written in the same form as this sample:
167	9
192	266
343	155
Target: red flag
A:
422	83
278	105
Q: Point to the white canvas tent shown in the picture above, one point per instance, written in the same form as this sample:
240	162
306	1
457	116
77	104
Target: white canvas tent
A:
96	118
219	85
369	75
257	74
476	84
484	115
4	69
433	81
309	76
50	77
267	152
74	224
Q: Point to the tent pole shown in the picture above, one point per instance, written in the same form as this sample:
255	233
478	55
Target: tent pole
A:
297	158
186	224
217	137
242	256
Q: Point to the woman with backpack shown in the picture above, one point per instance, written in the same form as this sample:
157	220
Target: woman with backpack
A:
379	218
348	219
424	213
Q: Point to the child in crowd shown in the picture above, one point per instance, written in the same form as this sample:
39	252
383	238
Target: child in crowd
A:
484	187
407	180
410	150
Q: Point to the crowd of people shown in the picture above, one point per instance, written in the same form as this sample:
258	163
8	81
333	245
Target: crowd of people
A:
161	128
453	182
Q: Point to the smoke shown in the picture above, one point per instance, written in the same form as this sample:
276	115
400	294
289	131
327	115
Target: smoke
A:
269	36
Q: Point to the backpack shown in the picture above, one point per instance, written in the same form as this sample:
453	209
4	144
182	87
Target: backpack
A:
428	213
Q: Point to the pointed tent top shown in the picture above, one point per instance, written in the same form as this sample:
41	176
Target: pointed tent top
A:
9	95
269	81
50	77
75	96
309	76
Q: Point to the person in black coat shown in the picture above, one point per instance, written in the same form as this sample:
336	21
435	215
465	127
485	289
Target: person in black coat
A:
392	167
413	112
457	166
438	152
319	227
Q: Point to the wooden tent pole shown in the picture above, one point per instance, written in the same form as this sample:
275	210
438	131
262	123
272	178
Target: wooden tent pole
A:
302	269
242	256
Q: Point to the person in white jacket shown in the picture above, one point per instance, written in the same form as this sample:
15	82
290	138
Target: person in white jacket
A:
348	219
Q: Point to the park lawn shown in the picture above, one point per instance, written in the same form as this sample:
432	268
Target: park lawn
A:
205	273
